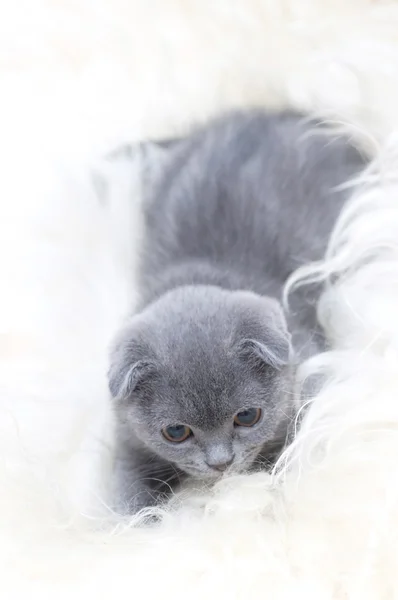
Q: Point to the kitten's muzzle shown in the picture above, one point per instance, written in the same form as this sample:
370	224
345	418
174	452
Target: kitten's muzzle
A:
221	466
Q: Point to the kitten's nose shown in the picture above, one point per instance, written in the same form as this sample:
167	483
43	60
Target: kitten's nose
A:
221	466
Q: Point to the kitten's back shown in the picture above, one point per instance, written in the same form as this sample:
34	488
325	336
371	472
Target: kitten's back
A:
253	195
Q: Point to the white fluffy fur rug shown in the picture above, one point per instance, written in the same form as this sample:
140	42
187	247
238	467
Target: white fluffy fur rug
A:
76	78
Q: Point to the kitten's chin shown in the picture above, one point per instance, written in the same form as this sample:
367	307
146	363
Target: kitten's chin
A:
205	476
210	477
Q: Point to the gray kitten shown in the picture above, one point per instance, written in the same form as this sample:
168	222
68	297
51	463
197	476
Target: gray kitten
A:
202	373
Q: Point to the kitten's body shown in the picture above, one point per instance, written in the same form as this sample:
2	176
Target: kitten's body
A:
234	209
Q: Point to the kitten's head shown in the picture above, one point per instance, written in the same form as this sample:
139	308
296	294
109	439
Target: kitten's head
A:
200	378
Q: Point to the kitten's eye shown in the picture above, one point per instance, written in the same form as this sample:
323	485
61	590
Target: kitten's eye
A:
177	433
248	417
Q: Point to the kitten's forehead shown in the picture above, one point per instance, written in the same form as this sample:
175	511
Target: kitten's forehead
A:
193	335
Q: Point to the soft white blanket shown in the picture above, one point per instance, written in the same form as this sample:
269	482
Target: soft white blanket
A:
76	78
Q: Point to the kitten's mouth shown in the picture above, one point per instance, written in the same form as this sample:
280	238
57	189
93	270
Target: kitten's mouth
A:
212	476
236	468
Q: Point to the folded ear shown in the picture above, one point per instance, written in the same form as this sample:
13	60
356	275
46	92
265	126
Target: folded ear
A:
274	351
126	379
132	365
264	337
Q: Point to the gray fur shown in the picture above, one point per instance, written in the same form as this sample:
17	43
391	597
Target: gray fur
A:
230	212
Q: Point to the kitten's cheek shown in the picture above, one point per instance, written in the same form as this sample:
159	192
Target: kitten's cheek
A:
249	457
